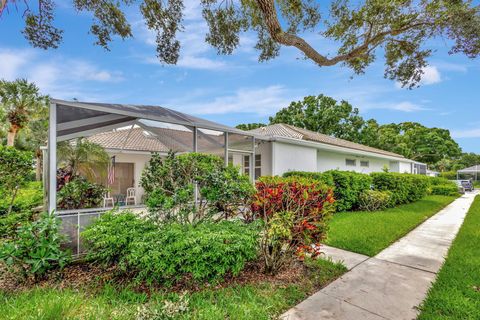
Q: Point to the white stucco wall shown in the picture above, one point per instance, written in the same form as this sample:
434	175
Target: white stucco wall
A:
328	160
265	150
405	167
139	161
290	157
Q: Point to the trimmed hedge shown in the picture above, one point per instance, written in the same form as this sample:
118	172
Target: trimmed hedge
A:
405	187
347	185
443	187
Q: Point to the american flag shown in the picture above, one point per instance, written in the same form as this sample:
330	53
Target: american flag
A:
111	171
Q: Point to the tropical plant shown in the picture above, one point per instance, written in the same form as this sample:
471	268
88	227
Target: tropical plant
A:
15	168
21	102
82	157
79	193
399	30
295	213
35	248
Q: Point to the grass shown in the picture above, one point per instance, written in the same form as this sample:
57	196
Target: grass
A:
370	232
238	302
456	292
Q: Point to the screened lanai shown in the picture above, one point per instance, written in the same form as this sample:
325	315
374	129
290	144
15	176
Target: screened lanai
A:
472	172
177	131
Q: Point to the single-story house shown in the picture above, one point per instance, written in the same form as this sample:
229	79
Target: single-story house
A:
278	148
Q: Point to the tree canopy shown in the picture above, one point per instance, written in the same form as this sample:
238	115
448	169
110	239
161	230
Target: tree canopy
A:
20	103
400	29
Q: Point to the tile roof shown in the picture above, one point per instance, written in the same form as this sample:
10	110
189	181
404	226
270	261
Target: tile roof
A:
137	140
153	139
289	131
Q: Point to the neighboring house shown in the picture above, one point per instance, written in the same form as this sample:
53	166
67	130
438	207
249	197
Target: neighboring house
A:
283	148
278	148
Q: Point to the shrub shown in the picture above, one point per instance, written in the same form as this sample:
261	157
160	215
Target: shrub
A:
109	238
347	185
28	198
205	251
295	212
169	184
35	249
404	187
326	179
447	189
449	175
170	251
373	200
15	169
80	193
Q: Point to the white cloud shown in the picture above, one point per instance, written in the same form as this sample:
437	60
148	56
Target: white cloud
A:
470	133
405	106
11	62
261	101
59	77
431	75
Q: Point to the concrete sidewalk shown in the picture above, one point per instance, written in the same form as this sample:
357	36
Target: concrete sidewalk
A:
392	284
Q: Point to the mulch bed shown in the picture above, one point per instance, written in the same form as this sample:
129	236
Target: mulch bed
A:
82	275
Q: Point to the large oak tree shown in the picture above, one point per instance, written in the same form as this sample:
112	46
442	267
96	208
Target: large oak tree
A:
400	29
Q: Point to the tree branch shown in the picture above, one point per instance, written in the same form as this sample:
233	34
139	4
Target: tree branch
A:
270	17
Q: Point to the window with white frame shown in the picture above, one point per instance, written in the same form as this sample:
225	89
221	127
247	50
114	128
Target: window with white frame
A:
350	162
246	165
258	166
364	163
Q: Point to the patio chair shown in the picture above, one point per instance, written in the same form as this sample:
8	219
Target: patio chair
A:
131	196
107	198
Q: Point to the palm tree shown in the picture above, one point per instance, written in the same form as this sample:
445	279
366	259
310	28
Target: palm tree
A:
83	157
20	102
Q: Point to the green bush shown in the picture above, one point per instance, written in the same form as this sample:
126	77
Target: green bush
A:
404	187
35	248
79	194
449	189
449	175
326	179
169	185
206	251
347	185
373	200
15	169
28	198
10	222
109	238
170	251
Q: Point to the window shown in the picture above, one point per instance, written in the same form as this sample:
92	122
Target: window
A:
246	165
364	163
351	162
258	166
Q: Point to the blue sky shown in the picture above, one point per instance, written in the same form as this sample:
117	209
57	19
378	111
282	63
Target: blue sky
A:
235	89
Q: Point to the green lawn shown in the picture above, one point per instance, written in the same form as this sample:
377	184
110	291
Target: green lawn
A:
456	292
370	232
254	301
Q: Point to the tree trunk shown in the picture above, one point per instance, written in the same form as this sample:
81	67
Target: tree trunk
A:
10	207
11	137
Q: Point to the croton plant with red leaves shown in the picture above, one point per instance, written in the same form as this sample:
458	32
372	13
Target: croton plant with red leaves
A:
310	202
